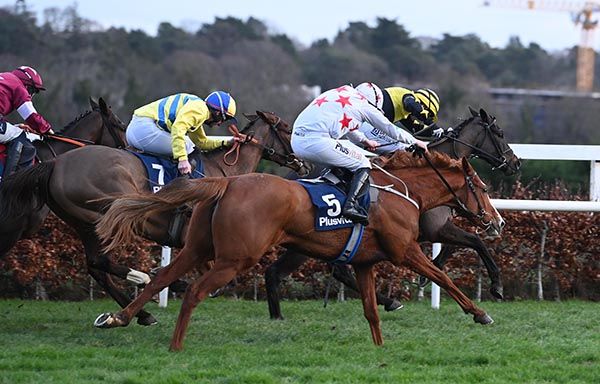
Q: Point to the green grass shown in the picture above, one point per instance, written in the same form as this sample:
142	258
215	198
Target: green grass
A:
234	342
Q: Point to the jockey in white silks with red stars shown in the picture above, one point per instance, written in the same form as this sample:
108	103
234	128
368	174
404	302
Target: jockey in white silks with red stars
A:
339	113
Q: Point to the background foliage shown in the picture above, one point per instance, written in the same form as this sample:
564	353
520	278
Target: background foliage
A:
271	71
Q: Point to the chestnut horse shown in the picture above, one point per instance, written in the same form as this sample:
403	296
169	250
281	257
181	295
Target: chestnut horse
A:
99	126
75	184
240	218
477	136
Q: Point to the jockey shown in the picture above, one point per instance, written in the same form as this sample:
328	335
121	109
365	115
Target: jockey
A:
340	112
416	110
17	88
172	126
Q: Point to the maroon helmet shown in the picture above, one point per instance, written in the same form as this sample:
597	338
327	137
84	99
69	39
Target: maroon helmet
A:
30	77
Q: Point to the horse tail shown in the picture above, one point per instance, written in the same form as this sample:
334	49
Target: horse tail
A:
123	222
24	192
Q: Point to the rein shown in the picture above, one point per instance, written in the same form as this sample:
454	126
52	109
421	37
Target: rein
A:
289	159
238	144
471	186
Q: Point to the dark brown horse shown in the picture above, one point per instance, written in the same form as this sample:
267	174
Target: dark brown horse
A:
76	184
479	136
238	219
98	126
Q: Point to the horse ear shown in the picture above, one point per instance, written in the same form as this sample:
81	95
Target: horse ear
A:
93	104
263	115
484	115
103	107
473	112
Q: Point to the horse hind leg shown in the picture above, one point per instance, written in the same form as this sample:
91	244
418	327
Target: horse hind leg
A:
286	264
220	274
183	263
97	269
366	283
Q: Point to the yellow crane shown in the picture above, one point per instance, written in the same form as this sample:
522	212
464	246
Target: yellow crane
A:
581	12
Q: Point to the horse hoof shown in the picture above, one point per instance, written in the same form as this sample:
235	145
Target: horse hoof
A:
105	320
423	281
216	293
394	306
497	292
483	319
146	320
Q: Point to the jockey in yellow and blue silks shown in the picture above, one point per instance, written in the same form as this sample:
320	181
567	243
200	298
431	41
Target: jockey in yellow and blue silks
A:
173	125
415	110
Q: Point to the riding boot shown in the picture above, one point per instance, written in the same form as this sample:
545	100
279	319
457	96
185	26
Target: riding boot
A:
358	186
13	155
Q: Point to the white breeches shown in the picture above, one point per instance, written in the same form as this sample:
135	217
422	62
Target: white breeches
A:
143	133
329	152
12	132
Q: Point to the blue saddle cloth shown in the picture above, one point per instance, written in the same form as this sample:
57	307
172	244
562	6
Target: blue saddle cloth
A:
162	171
329	200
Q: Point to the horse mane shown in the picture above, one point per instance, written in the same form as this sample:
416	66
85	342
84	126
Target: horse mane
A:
73	122
403	159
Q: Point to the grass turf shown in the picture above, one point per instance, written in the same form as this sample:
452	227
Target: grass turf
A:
234	342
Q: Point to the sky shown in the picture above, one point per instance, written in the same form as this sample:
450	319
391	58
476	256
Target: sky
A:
309	20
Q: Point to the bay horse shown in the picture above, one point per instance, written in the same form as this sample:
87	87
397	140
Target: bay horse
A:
477	136
237	219
76	183
98	126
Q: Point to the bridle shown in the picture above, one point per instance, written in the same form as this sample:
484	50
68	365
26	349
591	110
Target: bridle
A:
288	159
491	131
476	218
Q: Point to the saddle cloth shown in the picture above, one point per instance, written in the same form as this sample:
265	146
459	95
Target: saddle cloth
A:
161	171
329	199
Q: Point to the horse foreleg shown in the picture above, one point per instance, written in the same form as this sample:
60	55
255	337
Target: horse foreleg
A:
365	278
417	261
286	264
451	234
219	275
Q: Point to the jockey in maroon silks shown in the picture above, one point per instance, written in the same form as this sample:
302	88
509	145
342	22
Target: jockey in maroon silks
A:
16	91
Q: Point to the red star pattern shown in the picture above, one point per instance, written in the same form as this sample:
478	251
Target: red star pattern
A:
320	101
341	89
345	121
344	100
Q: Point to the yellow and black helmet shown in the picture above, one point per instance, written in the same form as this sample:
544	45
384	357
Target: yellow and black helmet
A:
430	101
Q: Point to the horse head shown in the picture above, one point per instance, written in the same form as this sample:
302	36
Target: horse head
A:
276	141
486	141
112	132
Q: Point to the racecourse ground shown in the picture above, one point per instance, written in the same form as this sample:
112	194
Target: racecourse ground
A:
234	342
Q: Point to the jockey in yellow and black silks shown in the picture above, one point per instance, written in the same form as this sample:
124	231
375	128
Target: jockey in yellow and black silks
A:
415	110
